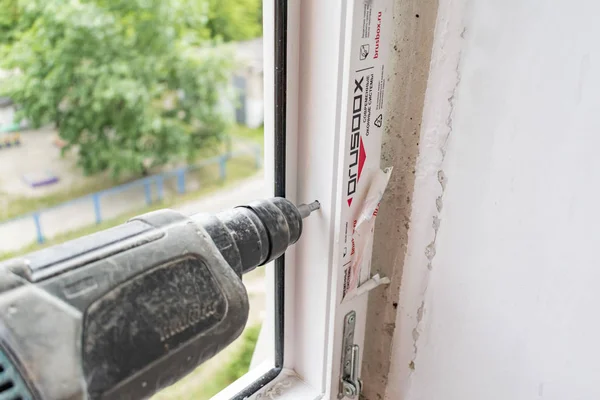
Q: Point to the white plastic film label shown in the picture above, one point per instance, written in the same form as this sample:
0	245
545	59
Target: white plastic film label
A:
369	24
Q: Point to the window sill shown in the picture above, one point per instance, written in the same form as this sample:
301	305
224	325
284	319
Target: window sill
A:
287	386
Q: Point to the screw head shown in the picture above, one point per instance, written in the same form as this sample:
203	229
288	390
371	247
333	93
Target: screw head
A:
351	319
349	390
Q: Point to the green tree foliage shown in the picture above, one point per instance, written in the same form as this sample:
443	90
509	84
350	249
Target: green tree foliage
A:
123	80
235	19
9	17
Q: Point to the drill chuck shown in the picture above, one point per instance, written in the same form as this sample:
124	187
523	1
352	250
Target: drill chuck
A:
254	234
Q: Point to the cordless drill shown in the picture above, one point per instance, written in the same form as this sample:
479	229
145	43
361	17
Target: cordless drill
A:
127	311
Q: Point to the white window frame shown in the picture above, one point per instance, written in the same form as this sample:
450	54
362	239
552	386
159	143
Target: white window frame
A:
317	78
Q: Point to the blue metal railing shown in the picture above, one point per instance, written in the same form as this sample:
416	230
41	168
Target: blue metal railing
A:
146	183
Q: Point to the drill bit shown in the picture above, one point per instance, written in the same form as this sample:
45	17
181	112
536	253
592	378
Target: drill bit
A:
306	209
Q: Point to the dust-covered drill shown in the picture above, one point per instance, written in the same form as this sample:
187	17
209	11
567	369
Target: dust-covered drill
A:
127	311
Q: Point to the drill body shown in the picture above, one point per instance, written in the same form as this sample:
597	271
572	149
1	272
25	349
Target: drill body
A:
127	311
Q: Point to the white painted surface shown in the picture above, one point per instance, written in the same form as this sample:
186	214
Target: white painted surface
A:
509	308
314	58
313	314
7	115
255	112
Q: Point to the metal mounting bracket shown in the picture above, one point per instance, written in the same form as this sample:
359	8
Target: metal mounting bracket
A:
350	384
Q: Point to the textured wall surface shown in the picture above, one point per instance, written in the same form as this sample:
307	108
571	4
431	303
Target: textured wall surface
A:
500	281
414	22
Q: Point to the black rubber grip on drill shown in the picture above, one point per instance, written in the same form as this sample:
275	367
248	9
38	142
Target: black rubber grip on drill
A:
240	236
251	237
282	221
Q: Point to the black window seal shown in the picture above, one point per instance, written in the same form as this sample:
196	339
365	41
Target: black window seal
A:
280	100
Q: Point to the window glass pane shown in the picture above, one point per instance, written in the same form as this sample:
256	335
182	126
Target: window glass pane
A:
114	108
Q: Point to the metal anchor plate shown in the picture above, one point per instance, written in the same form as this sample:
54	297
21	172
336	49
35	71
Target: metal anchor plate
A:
350	384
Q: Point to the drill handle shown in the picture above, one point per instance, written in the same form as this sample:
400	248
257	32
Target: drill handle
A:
120	313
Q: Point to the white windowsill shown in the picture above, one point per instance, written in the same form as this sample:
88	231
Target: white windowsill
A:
287	386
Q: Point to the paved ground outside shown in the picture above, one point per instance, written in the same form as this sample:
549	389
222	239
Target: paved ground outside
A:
21	232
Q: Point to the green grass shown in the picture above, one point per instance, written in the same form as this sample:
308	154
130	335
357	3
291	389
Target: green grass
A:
218	373
238	168
254	134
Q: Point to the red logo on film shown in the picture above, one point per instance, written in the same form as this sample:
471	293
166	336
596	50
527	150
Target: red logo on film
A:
362	156
358	155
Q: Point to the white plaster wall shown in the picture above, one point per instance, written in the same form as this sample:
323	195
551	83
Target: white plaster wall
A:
500	298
